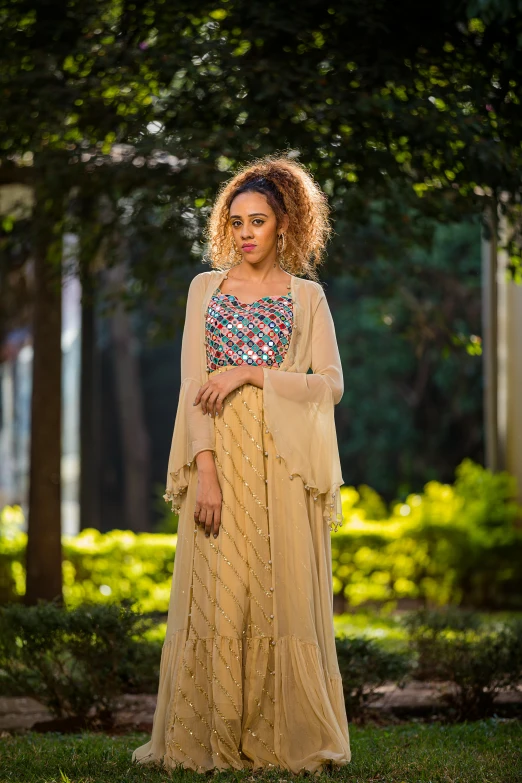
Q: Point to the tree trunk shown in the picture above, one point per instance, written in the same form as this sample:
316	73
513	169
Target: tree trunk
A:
44	551
89	412
490	337
135	440
509	360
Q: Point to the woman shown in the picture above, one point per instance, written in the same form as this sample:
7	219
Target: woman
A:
249	675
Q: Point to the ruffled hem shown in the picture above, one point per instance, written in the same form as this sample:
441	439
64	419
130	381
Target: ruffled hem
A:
177	486
332	514
310	451
153	751
333	508
287	712
193	432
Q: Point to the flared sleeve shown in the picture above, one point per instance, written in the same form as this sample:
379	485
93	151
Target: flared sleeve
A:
193	429
299	413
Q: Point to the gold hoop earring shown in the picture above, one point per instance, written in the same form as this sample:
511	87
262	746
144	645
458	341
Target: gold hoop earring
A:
281	250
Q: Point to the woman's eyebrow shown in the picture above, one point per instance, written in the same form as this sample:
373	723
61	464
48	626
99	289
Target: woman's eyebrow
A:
252	214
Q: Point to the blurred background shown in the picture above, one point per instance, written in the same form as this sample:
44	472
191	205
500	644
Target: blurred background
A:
119	122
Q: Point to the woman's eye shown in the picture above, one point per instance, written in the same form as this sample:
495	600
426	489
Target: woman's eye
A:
258	220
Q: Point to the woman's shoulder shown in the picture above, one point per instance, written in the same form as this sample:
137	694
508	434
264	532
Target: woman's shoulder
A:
202	279
310	287
201	276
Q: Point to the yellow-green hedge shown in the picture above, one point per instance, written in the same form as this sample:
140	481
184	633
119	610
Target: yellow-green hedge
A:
101	567
458	543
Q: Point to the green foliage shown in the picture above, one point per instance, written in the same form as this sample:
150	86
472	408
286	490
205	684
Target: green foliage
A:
11	521
406	314
431	622
377	625
78	662
476	660
74	661
365	665
107	567
101	568
450	544
12	545
455	544
438	108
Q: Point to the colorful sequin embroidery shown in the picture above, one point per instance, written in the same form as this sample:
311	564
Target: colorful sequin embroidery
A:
256	333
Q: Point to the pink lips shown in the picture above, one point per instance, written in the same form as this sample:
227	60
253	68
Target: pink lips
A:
248	247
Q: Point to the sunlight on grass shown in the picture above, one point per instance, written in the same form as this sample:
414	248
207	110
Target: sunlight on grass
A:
488	750
384	628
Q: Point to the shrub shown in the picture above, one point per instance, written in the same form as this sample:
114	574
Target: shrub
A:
472	661
365	666
12	544
76	661
455	544
450	544
119	565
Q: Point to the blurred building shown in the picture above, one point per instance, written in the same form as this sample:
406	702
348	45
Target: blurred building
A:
15	408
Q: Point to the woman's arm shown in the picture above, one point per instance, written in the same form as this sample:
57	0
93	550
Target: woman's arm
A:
193	438
201	434
200	427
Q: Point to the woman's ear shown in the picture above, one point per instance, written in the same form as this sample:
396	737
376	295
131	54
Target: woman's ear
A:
283	226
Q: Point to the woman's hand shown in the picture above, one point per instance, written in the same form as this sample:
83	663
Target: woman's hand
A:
212	394
207	511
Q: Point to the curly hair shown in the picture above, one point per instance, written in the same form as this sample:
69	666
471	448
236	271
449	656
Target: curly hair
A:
289	189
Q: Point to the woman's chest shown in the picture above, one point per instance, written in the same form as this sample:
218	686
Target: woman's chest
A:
256	333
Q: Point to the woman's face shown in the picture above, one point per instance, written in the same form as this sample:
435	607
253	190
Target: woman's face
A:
254	227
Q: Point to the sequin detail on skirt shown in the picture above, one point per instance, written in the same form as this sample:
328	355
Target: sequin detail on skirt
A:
249	677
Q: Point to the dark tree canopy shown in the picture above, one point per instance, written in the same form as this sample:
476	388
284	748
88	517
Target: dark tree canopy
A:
369	92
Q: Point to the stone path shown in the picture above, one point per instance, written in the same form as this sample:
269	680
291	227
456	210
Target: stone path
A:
135	712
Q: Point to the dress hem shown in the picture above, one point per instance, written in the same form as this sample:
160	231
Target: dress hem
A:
295	670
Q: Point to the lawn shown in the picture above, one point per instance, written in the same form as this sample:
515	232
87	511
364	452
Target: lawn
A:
381	627
488	751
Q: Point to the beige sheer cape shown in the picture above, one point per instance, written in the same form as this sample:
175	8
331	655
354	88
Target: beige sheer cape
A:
298	406
249	675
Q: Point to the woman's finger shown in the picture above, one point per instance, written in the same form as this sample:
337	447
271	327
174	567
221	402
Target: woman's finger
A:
208	523
205	400
214	403
200	392
217	522
210	398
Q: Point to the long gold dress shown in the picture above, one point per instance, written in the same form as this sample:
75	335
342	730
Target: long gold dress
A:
249	676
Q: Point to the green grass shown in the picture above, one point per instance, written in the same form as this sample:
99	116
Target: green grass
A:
488	751
387	628
384	628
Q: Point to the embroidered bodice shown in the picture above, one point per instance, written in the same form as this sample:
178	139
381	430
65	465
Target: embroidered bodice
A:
253	333
298	405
